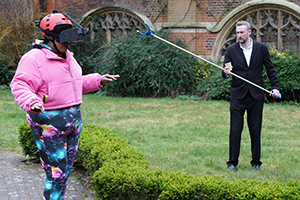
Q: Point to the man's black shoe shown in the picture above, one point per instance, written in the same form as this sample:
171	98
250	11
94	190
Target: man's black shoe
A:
256	167
232	168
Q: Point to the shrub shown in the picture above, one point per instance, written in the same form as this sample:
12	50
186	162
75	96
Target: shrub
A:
148	67
133	182
27	141
16	29
287	65
214	86
120	172
99	145
6	73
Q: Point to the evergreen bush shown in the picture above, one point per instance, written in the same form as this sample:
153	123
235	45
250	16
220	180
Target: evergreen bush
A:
27	141
214	86
287	65
17	29
99	145
6	73
120	172
133	182
147	67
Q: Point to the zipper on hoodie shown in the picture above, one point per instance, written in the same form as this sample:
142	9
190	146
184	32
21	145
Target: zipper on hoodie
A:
73	81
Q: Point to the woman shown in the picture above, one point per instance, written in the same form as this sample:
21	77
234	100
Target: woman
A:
48	85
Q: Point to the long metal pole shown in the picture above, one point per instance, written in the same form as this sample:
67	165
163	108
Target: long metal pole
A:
170	43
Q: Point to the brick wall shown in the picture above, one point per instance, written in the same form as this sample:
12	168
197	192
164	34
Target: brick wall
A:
162	12
151	9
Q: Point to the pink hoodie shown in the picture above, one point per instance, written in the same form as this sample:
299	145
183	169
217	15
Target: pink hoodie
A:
42	72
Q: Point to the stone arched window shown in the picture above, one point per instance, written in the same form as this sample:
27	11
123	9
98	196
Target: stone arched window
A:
113	21
275	25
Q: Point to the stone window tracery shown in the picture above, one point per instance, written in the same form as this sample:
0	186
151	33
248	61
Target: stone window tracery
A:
115	23
274	27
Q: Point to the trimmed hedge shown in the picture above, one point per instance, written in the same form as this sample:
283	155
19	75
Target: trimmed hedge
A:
120	172
124	174
98	146
123	182
27	142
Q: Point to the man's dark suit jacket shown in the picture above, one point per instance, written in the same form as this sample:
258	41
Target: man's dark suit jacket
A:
259	57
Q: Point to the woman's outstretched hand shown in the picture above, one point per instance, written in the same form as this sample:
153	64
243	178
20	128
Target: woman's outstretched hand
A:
107	78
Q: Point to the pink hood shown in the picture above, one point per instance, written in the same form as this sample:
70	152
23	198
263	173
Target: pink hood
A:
42	72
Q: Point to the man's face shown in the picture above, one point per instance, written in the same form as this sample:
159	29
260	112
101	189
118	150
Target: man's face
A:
242	34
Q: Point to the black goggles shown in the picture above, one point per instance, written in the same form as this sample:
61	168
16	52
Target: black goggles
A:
73	35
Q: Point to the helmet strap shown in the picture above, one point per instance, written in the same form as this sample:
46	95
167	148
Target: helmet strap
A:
63	55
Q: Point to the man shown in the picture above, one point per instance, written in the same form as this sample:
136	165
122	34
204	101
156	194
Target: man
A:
246	59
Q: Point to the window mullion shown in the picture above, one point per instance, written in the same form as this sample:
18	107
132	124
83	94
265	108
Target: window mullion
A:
279	31
259	22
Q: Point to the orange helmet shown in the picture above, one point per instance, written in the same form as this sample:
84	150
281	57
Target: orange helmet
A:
49	24
60	27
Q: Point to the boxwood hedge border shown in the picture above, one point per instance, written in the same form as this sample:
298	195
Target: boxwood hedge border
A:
118	171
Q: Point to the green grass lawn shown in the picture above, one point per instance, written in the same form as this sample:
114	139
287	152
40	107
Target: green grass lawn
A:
188	136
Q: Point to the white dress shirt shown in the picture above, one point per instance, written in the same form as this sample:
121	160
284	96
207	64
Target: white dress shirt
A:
247	52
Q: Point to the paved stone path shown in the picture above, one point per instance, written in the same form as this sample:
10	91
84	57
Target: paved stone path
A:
22	181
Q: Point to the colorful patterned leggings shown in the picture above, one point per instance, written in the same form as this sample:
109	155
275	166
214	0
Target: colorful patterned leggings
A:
56	134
